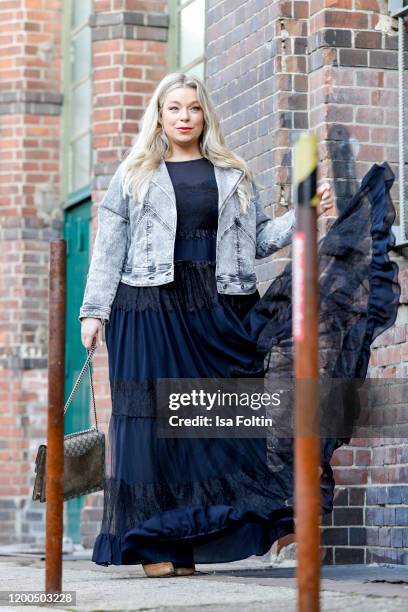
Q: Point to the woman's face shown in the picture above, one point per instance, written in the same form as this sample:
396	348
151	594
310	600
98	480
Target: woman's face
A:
181	109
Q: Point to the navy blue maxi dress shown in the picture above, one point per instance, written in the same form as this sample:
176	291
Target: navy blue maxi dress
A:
207	500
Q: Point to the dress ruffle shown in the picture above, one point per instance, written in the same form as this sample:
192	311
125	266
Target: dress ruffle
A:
191	535
359	288
359	298
257	491
193	288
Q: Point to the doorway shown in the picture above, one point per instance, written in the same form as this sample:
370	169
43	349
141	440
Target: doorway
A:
77	233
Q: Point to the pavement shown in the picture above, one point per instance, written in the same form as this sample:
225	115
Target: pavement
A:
256	584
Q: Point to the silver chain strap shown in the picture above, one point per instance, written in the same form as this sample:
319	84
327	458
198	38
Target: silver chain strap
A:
91	352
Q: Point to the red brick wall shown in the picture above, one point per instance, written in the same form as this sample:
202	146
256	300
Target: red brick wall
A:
30	216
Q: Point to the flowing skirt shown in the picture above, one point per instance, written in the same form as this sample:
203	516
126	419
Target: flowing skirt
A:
209	500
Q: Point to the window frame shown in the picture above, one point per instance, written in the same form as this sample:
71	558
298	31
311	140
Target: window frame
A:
175	7
70	196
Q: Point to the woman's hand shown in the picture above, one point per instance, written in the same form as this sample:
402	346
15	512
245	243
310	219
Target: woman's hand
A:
325	192
91	328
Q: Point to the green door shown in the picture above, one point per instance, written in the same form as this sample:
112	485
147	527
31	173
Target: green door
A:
77	229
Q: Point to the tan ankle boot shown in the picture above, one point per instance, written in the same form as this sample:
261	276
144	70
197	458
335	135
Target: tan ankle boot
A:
158	570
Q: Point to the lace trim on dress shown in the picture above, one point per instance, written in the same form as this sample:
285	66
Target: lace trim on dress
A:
244	490
198	232
194	287
123	393
256	494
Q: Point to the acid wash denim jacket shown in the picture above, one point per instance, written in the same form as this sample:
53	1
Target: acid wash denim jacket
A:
135	240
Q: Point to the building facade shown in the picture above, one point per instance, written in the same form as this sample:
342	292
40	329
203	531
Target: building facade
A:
76	76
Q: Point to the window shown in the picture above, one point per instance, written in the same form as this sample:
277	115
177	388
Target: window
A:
187	36
77	155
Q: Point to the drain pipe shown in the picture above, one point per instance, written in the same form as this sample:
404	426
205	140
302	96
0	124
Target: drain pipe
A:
399	9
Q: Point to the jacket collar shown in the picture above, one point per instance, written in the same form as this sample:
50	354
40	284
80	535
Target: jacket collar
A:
227	181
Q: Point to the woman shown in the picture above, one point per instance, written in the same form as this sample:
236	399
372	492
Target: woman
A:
172	279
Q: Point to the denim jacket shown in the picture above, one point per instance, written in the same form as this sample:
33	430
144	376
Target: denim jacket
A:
135	240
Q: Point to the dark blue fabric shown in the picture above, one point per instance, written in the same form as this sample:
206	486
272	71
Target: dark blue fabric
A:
191	249
218	500
196	191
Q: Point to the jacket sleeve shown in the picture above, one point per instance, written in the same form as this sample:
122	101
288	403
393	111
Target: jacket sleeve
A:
271	234
109	251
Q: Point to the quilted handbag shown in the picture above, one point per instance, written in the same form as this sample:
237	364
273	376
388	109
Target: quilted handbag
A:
84	453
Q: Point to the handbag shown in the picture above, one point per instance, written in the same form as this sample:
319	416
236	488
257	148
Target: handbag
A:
84	453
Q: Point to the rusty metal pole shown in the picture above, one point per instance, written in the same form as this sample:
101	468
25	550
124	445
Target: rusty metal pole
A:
55	430
306	353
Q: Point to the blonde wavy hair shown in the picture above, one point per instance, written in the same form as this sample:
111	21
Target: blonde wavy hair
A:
152	144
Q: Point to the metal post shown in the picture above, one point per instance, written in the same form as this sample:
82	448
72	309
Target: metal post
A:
55	431
306	365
